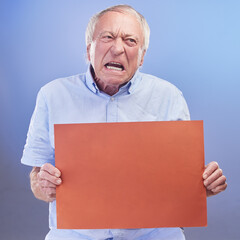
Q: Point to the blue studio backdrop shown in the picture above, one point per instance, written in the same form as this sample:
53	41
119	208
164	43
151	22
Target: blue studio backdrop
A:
194	45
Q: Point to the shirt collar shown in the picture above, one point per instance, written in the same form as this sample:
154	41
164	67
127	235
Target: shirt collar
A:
90	81
129	87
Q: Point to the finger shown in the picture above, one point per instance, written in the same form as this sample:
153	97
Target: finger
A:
220	188
51	199
220	181
51	169
213	177
210	168
47	184
43	175
216	190
50	191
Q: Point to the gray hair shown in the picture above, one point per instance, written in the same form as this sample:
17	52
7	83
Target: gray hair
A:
122	9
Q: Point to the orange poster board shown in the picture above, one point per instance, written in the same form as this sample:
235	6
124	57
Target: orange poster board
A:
130	175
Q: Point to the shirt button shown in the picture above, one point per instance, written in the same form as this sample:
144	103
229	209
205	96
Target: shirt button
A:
112	99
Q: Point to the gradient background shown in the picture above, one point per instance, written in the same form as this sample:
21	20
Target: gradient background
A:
194	44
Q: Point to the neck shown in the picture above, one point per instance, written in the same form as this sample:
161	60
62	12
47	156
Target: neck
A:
106	88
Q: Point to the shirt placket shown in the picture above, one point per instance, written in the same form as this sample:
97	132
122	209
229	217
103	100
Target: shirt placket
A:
112	107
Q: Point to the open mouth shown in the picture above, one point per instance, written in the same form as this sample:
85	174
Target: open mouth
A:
114	66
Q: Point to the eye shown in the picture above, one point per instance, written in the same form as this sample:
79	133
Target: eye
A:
131	42
107	38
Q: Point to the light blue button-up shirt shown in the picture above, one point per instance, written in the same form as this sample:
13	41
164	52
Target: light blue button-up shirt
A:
77	99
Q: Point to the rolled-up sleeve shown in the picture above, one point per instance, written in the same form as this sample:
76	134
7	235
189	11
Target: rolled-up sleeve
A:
38	149
179	108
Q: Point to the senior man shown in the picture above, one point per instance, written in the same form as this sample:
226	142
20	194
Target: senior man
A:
112	90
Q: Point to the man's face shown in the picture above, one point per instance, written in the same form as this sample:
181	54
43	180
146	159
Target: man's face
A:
116	49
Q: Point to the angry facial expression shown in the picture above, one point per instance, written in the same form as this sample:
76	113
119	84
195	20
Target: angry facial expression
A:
116	50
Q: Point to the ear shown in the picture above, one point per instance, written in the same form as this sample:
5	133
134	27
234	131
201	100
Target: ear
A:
88	52
142	58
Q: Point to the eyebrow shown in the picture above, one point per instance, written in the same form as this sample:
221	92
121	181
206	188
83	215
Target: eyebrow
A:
122	35
105	32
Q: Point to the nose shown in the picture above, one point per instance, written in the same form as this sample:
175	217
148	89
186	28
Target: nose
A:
117	47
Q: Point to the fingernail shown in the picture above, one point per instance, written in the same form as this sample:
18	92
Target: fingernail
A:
205	176
57	174
59	181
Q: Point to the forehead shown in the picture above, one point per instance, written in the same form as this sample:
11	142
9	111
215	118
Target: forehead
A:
118	22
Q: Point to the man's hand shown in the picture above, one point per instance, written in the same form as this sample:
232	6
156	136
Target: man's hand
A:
44	181
213	179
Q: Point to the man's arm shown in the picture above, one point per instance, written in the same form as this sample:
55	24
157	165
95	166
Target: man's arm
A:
44	181
213	179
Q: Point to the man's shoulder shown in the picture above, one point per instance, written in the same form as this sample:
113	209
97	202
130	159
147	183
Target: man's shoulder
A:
157	83
64	82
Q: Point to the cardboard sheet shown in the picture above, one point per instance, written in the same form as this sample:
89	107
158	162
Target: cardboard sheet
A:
130	175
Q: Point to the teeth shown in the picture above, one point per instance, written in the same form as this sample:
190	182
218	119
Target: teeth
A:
115	63
114	68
